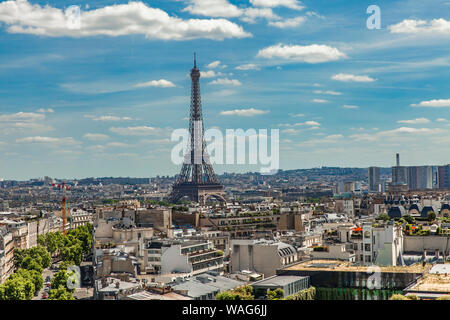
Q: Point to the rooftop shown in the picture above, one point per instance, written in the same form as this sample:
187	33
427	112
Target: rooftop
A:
432	283
336	265
278	280
146	295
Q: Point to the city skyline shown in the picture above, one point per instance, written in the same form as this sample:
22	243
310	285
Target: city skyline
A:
85	103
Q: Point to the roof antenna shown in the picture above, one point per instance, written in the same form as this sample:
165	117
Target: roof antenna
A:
195	60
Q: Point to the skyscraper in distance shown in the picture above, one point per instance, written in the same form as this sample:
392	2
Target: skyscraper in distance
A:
374	179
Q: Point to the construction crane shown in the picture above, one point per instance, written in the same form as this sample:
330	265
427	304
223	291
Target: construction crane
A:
63	186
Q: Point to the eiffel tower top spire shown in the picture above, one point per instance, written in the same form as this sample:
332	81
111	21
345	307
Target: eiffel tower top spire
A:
195	60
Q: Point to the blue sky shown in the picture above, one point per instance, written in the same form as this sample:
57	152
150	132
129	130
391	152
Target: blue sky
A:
102	100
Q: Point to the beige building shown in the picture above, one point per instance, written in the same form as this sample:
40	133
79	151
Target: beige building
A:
337	251
79	217
261	256
188	257
6	254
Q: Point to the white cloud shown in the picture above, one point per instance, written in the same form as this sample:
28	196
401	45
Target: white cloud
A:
319	100
50	140
42	110
292	4
22	117
251	14
156	141
213	64
213	8
244	112
314	14
107	118
395	134
96	136
312	123
290	131
435	26
435	103
162	83
210	74
414	121
223	8
346	106
288	23
117	145
334	136
226	81
330	139
351	77
134	131
306	123
410	130
113	20
314	53
330	92
298	115
442	120
249	66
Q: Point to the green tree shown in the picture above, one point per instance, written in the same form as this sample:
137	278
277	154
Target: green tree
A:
17	288
398	297
40	251
33	275
276	294
227	295
431	216
72	253
19	255
383	217
409	219
60	294
240	293
61	278
30	263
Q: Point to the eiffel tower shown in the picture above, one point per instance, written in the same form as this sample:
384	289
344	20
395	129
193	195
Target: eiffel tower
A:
197	180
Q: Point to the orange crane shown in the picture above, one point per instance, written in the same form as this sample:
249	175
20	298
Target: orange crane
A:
63	186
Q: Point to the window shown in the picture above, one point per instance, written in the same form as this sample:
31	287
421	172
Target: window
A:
368	259
367	247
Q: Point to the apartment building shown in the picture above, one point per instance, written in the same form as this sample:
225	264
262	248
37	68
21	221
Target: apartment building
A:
79	217
6	254
187	257
262	256
381	245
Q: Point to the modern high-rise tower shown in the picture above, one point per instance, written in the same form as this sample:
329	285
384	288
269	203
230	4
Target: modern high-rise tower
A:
374	179
399	173
197	180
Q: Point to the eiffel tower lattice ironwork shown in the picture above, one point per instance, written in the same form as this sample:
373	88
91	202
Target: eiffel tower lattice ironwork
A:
197	180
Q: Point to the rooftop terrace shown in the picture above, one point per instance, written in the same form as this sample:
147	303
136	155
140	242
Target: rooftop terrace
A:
336	265
432	283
